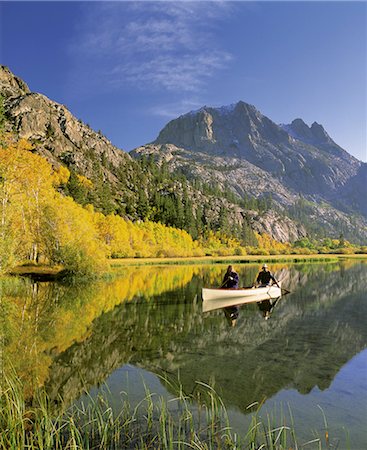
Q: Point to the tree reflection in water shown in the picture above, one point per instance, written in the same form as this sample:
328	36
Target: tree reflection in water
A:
71	338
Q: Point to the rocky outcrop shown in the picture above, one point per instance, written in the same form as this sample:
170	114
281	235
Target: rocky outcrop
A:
241	176
233	131
315	135
241	149
301	158
281	228
11	85
236	148
244	178
60	137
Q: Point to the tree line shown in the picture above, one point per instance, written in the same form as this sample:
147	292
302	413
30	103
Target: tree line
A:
39	223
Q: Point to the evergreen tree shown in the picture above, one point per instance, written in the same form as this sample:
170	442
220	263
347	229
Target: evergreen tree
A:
223	222
180	213
199	221
142	209
247	235
2	113
75	189
190	225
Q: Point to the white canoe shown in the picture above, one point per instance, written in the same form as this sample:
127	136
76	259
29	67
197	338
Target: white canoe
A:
218	303
242	294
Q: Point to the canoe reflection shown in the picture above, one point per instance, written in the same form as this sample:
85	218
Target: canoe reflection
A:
267	306
231	314
231	308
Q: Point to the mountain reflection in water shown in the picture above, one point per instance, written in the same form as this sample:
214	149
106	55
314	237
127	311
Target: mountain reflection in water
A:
70	338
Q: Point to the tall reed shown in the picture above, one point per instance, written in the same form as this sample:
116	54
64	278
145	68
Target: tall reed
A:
199	421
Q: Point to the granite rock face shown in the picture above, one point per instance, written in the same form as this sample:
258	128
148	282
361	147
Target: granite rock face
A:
235	147
244	178
11	85
59	135
273	224
303	159
241	176
241	149
56	133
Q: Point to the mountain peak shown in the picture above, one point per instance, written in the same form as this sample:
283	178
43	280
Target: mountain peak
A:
319	133
10	84
244	105
299	130
315	134
235	130
299	123
223	110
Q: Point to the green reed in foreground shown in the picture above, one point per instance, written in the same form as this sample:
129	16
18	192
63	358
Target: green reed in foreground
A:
155	423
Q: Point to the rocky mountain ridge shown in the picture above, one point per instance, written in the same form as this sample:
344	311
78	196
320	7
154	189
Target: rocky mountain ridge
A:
289	153
122	184
58	135
239	147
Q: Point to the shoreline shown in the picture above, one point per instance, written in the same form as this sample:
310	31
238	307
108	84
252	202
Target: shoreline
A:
49	273
247	259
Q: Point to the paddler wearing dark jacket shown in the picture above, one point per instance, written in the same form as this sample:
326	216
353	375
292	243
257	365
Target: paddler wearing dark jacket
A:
264	277
230	280
231	313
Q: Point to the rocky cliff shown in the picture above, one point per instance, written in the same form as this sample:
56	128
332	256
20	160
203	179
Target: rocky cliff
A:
120	183
238	147
301	158
56	133
234	149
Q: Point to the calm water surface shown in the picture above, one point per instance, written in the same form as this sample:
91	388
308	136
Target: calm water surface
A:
147	323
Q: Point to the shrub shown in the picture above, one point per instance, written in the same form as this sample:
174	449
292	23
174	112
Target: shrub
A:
323	250
240	251
256	251
346	251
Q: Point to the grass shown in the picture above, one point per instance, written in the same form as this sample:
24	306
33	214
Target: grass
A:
248	259
155	423
39	271
48	273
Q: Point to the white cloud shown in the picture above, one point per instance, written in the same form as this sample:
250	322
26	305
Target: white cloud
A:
159	45
165	71
175	109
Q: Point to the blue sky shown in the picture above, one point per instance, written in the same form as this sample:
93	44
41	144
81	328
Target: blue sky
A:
127	68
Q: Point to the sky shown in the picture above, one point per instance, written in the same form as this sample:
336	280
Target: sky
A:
127	68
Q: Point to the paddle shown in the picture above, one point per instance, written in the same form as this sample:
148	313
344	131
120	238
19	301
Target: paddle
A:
224	282
285	291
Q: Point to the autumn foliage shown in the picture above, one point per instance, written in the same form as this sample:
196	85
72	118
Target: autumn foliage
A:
39	224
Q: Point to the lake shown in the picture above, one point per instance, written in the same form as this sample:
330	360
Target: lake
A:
144	329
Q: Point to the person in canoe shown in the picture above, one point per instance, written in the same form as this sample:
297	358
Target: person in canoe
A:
232	313
265	277
230	280
266	307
